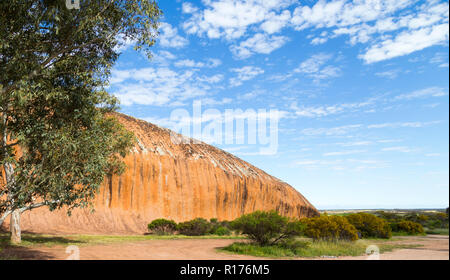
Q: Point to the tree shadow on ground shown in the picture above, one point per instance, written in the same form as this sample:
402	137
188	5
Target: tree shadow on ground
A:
23	253
26	251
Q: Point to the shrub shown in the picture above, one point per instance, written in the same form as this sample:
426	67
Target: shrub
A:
267	228
389	216
330	228
295	244
214	225
162	226
221	231
407	227
370	225
194	227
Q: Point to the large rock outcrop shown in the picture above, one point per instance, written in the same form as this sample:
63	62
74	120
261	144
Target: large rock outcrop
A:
175	181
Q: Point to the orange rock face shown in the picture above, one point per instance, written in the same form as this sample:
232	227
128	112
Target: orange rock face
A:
174	181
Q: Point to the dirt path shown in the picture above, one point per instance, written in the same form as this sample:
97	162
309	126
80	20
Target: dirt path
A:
434	247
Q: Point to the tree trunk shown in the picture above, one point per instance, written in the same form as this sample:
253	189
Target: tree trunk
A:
16	236
3	217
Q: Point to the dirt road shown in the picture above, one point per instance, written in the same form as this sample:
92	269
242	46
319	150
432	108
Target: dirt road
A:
434	247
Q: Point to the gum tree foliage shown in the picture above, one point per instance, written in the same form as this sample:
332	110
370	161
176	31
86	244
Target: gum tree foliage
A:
56	140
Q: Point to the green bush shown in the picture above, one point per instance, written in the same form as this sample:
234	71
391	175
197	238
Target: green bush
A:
407	227
294	245
331	228
389	216
267	228
221	231
162	226
194	227
369	225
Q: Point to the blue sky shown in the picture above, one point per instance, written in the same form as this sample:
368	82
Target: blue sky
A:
361	89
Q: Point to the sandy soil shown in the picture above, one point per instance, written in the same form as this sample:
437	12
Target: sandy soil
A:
434	247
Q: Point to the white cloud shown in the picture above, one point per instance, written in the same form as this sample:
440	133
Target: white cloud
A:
169	37
427	92
188	8
343	153
244	74
259	43
163	58
326	110
211	79
210	63
349	164
389	28
342	130
358	143
275	22
403	124
211	101
316	67
158	86
230	19
407	42
390	74
401	149
330	131
378	23
124	43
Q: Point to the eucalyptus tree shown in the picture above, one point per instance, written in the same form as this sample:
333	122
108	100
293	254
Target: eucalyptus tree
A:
58	137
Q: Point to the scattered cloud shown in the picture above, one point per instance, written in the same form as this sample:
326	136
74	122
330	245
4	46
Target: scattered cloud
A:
423	93
433	155
344	153
188	8
403	124
401	149
210	63
275	22
316	67
441	59
330	131
390	74
158	86
230	19
244	74
358	143
169	37
389	30
326	110
259	43
407	42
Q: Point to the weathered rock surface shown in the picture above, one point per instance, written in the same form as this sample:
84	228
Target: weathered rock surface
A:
175	181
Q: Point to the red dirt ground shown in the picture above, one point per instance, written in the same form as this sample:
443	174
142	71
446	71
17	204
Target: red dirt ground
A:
434	247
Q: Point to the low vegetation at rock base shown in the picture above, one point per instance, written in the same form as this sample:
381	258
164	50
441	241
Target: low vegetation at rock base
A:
369	225
416	222
162	226
271	235
408	228
195	227
308	249
267	228
330	228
